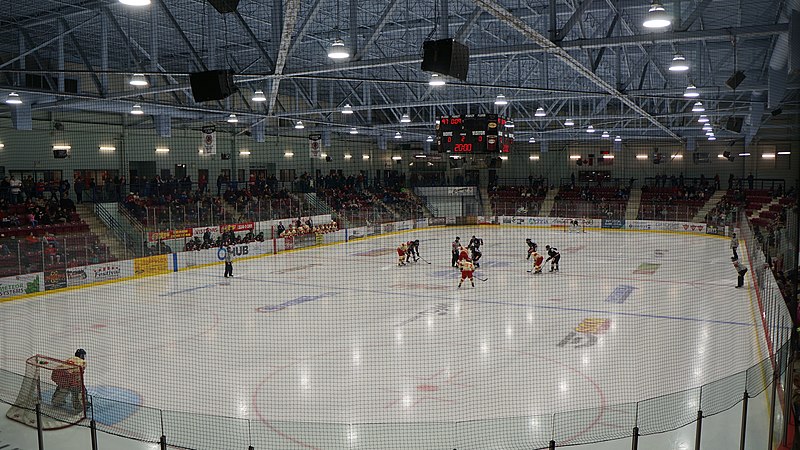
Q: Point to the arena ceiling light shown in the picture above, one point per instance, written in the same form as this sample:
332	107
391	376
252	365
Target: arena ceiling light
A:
590	129
703	118
62	147
540	112
569	123
707	127
534	157
396	158
500	100
531	140
744	154
135	2
299	125
768	156
678	64
641	156
698	107
364	156
504	158
429	139
574	156
398	135
136	110
233	119
288	154
138	80
605	135
258	96
712	138
347	156
784	153
436	80
691	91
657	16
162	150
618	139
244	152
13	99
107	148
338	50
405	118
347	109
510	124
353	130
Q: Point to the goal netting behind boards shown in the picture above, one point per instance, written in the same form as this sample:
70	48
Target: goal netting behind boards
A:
57	386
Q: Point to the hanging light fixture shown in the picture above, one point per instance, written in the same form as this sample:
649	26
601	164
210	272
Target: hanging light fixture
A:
429	139
137	110
398	135
347	109
531	140
13	99
299	125
707	127
618	139
691	91
405	118
540	112
353	130
657	17
258	96
569	123
698	107
709	133
233	119
605	135
436	80
590	129
500	100
338	50
135	2
712	138
703	118
678	64
510	123
138	80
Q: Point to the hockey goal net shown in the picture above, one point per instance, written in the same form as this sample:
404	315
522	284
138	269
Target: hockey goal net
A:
57	386
576	225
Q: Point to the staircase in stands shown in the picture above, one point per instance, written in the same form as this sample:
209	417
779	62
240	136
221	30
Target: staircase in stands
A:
548	202
96	226
710	204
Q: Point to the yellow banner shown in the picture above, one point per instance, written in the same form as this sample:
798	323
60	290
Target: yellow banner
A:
152	265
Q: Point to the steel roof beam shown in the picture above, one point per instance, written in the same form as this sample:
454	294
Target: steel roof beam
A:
376	32
49	41
573	19
291	10
503	14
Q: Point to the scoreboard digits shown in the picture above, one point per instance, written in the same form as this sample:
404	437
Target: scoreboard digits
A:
473	133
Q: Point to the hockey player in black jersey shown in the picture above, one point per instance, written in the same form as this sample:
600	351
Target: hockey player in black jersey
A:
475	248
413	250
531	247
554	256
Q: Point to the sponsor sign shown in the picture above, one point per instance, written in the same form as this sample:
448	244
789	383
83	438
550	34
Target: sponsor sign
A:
421	223
202	230
247	226
288	243
461	191
620	294
434	221
613	223
155	236
237	251
294	302
55	279
694	227
585	334
105	272
151	265
77	276
404	225
646	269
387	228
21	285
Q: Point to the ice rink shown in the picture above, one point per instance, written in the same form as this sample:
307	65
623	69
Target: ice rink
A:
340	334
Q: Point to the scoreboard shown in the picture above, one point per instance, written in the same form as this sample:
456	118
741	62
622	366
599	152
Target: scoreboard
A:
473	133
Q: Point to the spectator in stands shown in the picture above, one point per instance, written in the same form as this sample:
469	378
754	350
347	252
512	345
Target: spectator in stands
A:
78	182
280	228
4	250
202	184
750	181
730	182
16	188
716	182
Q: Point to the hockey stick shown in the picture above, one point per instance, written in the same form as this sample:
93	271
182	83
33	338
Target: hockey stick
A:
424	260
482	279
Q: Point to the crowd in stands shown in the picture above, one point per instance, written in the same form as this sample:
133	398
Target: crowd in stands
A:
222	240
592	201
174	209
56	213
300	227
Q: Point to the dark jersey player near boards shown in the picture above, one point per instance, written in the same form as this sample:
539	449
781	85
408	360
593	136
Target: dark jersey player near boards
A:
475	247
531	247
554	256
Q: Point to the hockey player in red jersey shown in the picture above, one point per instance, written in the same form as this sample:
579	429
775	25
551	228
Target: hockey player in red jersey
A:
538	261
401	254
467	268
463	253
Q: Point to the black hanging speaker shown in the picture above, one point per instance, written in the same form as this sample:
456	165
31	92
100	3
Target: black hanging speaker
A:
224	6
212	85
735	80
446	57
734	124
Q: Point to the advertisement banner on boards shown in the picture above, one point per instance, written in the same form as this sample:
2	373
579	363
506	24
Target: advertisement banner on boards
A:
21	284
55	279
246	226
199	232
151	265
613	223
437	221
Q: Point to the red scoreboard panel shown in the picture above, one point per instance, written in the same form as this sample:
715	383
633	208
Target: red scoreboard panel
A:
473	133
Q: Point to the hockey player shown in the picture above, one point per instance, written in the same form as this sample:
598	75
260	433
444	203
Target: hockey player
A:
413	250
467	268
574	226
538	260
463	254
456	249
554	256
401	254
531	248
475	247
68	378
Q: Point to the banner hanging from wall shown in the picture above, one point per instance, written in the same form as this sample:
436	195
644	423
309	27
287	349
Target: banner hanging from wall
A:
315	146
209	141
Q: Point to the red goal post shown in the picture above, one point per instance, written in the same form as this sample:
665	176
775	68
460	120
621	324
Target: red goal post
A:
57	386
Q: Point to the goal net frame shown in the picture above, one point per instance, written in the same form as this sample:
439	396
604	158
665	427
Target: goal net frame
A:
583	224
48	380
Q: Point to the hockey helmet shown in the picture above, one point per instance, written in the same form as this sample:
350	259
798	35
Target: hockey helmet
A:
80	353
457	238
527	239
547	247
416	241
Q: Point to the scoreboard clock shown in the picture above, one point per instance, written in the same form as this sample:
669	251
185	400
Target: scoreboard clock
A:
473	134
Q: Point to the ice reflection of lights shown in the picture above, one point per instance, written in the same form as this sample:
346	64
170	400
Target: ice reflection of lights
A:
356	356
509	331
398	337
585	360
304	380
484	347
408	401
352	434
530	317
563	386
429	321
534	423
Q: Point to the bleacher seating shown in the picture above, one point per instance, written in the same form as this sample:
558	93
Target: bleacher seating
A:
593	202
517	200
